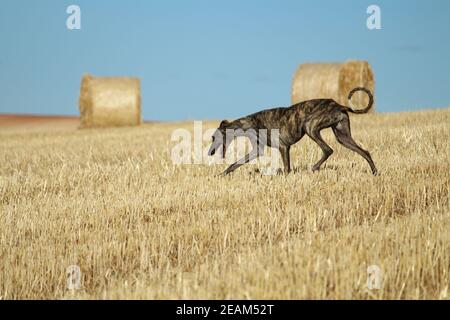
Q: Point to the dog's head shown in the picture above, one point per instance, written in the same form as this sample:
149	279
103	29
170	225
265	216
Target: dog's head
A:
219	139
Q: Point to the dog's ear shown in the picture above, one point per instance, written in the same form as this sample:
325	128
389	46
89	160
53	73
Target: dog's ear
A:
224	124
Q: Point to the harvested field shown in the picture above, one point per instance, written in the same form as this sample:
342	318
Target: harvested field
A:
112	202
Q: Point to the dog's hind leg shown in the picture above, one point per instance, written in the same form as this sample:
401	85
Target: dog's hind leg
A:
326	149
343	135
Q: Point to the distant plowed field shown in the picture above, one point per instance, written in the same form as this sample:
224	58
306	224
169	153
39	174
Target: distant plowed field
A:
112	202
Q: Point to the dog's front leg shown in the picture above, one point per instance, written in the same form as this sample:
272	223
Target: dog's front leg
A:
284	151
248	157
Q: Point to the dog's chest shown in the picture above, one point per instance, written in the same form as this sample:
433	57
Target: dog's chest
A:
287	121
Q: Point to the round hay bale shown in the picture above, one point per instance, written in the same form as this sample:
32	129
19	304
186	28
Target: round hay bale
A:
109	102
333	81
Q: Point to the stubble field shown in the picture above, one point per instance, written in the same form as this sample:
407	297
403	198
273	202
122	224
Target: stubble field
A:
139	227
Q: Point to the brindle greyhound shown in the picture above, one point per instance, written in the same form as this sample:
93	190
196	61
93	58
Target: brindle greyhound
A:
292	123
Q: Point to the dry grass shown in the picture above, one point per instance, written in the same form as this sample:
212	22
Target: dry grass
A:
111	202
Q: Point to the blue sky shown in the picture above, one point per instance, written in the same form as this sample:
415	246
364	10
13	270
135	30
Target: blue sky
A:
214	59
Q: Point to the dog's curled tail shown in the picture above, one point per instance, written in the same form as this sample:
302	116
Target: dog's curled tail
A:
369	106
